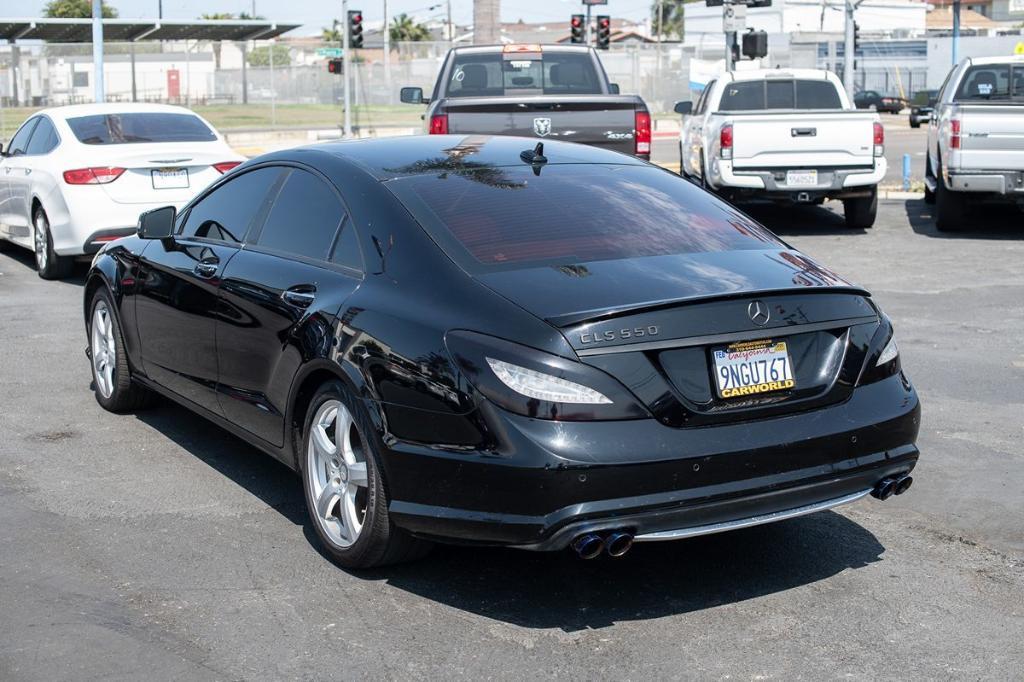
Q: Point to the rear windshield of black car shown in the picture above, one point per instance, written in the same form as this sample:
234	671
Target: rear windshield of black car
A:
991	82
519	74
489	218
780	94
140	127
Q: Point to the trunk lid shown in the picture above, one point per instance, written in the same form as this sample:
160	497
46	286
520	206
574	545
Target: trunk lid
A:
803	140
606	121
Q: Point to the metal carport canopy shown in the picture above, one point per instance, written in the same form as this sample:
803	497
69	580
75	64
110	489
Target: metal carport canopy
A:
115	30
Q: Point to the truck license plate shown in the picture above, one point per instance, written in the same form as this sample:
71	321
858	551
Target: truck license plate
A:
170	178
802	178
752	367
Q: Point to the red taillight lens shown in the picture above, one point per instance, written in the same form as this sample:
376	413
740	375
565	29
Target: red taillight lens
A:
225	166
642	134
879	139
954	133
725	141
92	176
439	124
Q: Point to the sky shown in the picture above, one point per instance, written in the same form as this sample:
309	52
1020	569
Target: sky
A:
314	14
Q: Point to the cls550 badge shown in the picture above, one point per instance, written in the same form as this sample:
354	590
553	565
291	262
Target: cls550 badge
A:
618	334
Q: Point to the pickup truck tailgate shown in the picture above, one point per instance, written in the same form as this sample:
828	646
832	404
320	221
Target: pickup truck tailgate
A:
605	121
992	137
803	140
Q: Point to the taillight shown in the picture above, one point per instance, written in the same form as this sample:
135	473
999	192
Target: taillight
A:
725	141
92	176
439	124
225	166
954	133
642	136
879	139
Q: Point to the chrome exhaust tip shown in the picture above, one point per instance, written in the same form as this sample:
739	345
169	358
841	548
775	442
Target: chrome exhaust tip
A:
618	543
884	489
588	545
903	484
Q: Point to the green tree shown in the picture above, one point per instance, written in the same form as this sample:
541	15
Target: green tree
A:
76	9
332	34
672	23
404	28
260	56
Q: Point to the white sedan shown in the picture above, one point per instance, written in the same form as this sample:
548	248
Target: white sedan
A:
75	177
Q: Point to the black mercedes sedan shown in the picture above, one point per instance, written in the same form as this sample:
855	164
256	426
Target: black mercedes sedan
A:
484	340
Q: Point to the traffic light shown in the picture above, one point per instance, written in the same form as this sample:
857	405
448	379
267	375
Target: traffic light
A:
576	29
604	31
856	37
336	66
755	44
355	28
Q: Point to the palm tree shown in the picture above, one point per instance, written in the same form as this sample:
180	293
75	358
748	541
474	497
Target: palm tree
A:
672	22
404	28
217	16
332	34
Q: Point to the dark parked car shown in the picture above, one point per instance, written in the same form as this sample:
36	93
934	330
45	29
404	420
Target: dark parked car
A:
921	107
476	340
882	103
558	92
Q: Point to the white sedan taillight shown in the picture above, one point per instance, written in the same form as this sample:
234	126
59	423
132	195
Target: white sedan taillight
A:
100	175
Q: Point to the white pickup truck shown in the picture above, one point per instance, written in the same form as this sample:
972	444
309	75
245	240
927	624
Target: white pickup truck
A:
784	135
976	139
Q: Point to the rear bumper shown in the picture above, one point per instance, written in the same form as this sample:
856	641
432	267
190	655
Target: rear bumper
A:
835	183
990	182
551	481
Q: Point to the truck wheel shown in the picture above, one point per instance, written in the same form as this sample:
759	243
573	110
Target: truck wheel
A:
860	212
48	264
950	207
915	124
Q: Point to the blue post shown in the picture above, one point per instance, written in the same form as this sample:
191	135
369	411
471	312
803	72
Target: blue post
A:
956	32
906	172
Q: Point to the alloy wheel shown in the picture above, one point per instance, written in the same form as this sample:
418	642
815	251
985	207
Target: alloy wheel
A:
336	472
104	350
40	241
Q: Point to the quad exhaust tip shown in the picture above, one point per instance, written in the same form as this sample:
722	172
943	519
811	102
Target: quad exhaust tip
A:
590	545
888	487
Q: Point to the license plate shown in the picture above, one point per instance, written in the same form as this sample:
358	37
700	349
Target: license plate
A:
752	367
170	178
802	178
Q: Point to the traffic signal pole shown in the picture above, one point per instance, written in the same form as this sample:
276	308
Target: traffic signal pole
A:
346	130
849	47
586	33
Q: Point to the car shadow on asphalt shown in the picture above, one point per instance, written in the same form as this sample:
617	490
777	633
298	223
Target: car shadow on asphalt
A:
27	259
545	590
799	219
986	222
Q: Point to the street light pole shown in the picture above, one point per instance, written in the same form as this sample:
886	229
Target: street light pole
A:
956	32
387	53
99	92
346	69
848	49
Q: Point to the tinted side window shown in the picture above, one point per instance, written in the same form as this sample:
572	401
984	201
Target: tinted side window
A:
19	143
817	95
44	139
702	103
983	82
304	218
346	250
226	213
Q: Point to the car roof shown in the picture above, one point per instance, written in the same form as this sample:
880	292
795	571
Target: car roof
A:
389	158
76	110
544	47
1007	59
762	74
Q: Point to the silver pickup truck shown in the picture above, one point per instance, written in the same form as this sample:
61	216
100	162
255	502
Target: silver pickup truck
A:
542	91
976	139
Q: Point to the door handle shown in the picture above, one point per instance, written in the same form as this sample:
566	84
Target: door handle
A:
804	132
299	296
206	269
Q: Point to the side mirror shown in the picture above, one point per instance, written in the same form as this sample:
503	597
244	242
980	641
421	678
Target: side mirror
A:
613	88
158	223
412	96
683	108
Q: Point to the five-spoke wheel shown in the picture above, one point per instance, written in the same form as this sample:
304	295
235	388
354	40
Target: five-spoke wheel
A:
336	467
104	349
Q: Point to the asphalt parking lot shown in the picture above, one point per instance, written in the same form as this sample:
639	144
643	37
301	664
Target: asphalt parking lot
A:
157	545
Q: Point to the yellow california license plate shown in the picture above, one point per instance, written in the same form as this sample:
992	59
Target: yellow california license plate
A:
752	367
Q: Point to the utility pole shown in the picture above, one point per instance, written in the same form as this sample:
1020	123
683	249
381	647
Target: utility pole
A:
849	48
451	29
387	53
346	68
159	9
734	19
100	93
586	34
956	32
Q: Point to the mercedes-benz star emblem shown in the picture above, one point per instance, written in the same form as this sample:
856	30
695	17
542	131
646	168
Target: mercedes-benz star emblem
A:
759	313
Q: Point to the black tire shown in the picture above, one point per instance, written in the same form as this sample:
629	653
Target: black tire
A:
915	124
950	207
125	395
48	264
929	196
380	542
860	212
